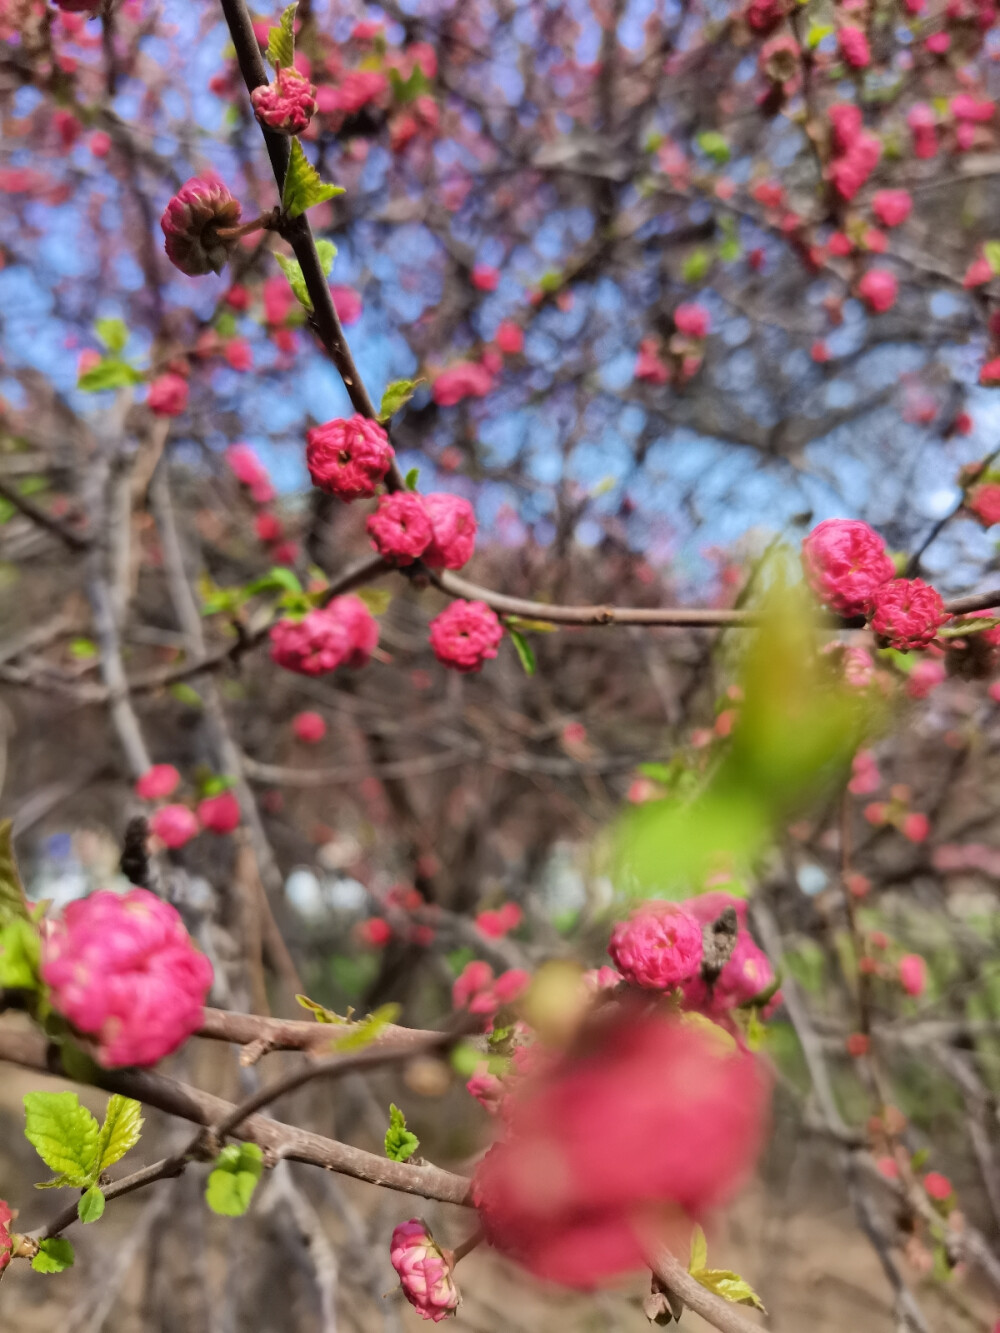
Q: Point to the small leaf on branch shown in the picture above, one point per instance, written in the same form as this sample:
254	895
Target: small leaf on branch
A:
525	652
408	90
64	1134
714	145
13	903
730	1286
54	1255
991	253
377	600
91	1205
400	1142
113	333
365	1032
234	1178
19	956
120	1131
699	1250
303	187
281	40
412	479
695	267
109	374
397	395
292	270
321	1014
278	579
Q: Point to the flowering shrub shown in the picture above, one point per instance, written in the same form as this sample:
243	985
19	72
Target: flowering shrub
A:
122	969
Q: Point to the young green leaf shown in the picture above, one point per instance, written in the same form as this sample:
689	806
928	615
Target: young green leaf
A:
714	145
396	395
365	1032
19	956
412	478
54	1255
730	1286
400	1142
13	903
234	1178
91	1205
699	1250
281	40
120	1132
525	652
376	599
303	187
991	253
64	1134
292	270
109	374
408	90
278	579
113	333
321	1014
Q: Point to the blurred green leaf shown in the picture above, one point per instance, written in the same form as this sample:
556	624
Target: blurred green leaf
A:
525	652
368	1030
109	374
714	145
83	649
397	395
281	39
13	903
696	266
19	955
408	90
991	253
234	1178
113	333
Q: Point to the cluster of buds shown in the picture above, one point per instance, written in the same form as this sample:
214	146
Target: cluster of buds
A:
200	227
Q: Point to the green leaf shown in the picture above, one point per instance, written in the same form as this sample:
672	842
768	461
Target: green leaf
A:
714	145
377	600
465	1059
292	270
365	1032
281	40
730	1286
234	1178
412	478
278	579
13	903
408	90
991	253
83	649
19	956
54	1255
319	1011
113	333
400	1142
91	1205
525	652
120	1131
699	1251
186	694
303	187
63	1133
816	33
397	395
109	374
695	267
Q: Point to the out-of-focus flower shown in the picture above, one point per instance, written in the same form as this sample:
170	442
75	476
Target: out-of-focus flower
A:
342	634
174	825
220	813
465	635
658	947
158	782
845	562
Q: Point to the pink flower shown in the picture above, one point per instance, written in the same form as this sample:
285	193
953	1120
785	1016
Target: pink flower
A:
915	827
347	304
342	634
646	1117
763	16
496	923
286	105
865	777
267	527
122	968
819	352
174	825
939	1187
854	47
487	1089
220	813
475	978
966	107
100	143
168	395
907	613
423	1272
509	337
309	728
375	932
913	975
239	354
465	379
892	207
158	782
747	975
989	374
237	298
245	466
465	635
191	223
400	528
845	561
923	126
650	366
6	1238
984	502
846	123
348	458
878	289
485	278
357	89
658	947
278	301
453	522
926	676
692	320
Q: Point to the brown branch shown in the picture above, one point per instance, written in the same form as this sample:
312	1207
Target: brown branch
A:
722	1315
76	541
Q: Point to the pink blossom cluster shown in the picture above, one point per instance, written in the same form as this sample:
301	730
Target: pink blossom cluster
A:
287	104
845	561
348	458
658	947
344	633
309	727
477	990
464	379
922	122
168	394
122	968
249	471
907	613
853	46
465	635
644	1117
498	922
424	1273
983	500
438	528
878	288
892	207
855	152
